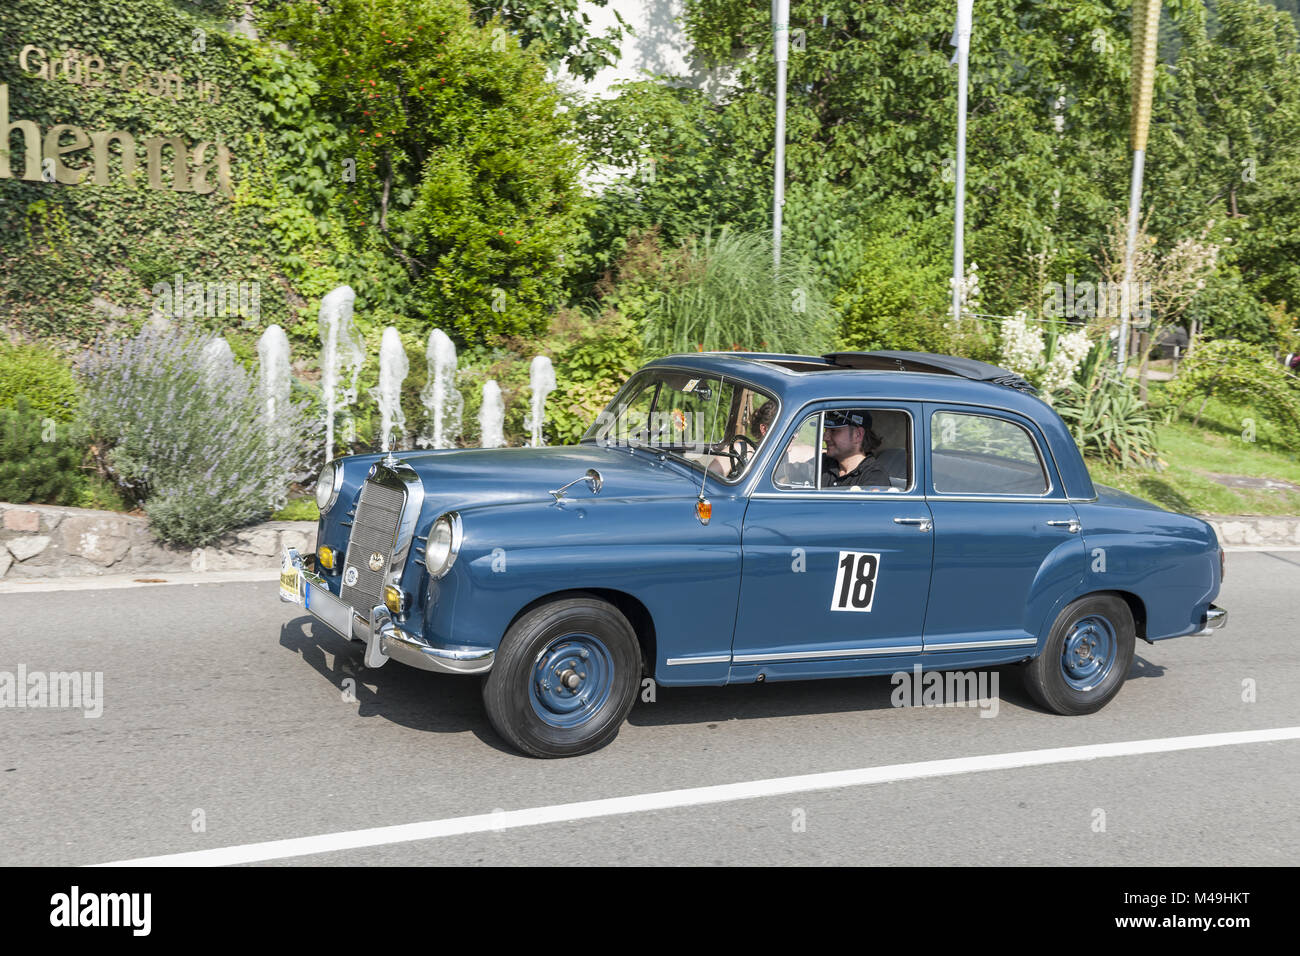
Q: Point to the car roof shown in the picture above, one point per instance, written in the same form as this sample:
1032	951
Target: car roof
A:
800	379
914	376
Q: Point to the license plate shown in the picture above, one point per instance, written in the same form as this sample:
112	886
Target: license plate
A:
289	585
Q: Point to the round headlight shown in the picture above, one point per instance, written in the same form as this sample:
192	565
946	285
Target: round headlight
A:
327	486
444	542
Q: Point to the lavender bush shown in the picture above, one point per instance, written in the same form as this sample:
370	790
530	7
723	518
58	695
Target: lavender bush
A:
182	430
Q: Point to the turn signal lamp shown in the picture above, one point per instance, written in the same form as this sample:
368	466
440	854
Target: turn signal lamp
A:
703	510
325	556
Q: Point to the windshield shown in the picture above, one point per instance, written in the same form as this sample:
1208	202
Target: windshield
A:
706	420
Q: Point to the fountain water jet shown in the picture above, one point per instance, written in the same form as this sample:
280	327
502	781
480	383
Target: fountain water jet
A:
393	366
541	379
217	361
342	351
273	358
444	404
492	416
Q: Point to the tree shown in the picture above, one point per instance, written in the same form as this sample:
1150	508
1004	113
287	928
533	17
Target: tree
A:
559	32
464	172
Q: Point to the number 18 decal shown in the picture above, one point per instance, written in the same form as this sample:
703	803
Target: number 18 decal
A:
855	581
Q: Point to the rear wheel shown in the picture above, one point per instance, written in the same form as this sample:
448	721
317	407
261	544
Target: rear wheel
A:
1087	656
565	678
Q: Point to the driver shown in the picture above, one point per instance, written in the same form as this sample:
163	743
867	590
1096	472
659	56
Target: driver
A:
761	421
851	451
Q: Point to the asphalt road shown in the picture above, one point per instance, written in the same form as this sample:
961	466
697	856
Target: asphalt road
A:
225	723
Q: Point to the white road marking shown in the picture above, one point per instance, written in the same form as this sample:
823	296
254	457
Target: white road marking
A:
696	796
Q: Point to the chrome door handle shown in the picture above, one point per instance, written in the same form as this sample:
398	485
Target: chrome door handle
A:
922	524
1072	525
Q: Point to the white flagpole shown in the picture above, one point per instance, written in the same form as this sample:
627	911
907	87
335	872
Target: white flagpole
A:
961	40
781	52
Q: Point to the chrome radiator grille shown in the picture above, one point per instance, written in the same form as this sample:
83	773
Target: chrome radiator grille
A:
374	531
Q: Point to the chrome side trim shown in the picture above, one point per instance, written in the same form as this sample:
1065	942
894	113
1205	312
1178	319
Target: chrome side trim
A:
1029	499
812	655
832	495
714	659
966	645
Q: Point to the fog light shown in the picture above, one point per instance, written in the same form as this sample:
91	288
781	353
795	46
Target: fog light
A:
326	557
394	599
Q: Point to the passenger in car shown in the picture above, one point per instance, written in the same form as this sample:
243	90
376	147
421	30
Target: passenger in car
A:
851	451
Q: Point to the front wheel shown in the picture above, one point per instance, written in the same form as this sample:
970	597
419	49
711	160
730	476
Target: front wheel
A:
1087	656
565	678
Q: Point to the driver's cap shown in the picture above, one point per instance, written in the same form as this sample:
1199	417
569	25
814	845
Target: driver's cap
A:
842	417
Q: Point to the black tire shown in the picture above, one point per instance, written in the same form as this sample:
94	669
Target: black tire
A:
551	638
1058	679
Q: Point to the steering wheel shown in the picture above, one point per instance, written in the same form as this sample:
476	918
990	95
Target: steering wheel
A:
739	456
747	447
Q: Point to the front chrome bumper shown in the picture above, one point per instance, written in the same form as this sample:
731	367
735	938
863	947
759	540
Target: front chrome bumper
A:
1214	619
383	638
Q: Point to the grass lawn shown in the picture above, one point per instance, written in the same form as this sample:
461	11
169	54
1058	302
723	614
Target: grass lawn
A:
298	509
1220	446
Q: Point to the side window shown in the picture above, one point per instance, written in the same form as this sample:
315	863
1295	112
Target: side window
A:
982	455
849	449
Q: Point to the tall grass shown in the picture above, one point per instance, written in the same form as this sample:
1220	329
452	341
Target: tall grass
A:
722	294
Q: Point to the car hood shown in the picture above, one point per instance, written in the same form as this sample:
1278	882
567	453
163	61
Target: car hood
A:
459	478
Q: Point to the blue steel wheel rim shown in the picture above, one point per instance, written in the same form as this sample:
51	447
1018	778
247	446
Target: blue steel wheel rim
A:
572	679
1089	652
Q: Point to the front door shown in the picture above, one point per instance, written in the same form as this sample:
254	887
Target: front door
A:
835	577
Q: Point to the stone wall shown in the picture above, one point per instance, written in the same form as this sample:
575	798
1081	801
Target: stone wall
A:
1256	532
42	541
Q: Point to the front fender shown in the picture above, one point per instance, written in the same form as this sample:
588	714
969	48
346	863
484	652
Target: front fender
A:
686	573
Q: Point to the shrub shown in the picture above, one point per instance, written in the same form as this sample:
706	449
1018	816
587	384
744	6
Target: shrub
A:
898	296
1237	373
39	458
185	435
41	376
593	357
1105	414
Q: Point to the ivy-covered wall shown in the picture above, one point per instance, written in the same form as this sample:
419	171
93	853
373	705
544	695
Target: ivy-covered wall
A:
149	68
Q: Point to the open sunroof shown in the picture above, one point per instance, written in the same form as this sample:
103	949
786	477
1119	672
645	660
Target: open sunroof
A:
929	362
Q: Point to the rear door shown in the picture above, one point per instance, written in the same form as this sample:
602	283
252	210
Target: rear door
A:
1006	538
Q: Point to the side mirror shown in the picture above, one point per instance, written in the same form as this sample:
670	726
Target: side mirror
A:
595	481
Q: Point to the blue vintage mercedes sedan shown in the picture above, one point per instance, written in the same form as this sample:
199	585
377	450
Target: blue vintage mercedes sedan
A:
745	517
